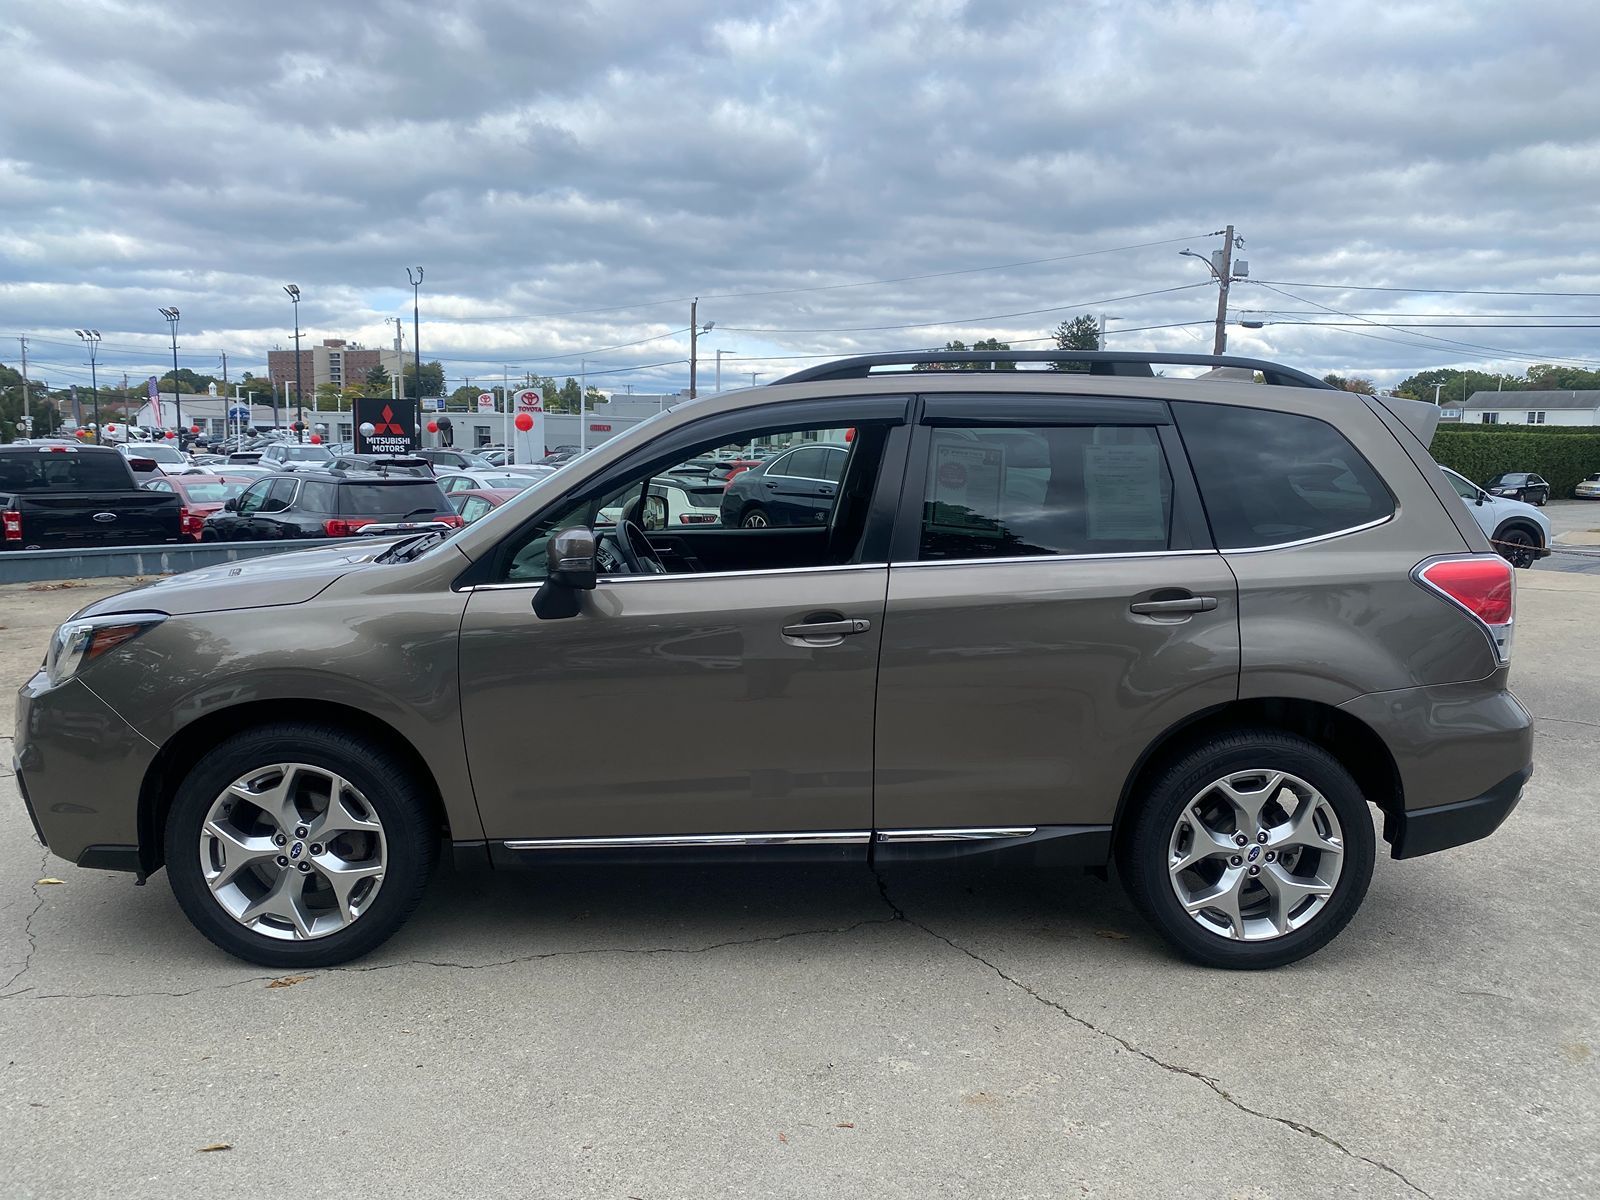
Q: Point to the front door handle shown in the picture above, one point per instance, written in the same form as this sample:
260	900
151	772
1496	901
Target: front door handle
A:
1168	608
828	629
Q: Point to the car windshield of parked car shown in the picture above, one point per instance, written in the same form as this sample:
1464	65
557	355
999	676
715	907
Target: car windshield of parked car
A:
63	471
1510	479
302	454
162	454
211	493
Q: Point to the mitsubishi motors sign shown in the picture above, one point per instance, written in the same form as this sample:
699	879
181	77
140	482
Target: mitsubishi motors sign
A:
394	426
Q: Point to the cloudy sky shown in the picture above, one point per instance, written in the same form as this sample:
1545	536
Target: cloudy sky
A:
570	174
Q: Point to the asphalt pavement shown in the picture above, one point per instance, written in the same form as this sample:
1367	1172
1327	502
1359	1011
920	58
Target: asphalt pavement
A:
739	1032
1575	545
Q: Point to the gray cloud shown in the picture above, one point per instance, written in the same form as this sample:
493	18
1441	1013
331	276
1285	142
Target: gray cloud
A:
541	160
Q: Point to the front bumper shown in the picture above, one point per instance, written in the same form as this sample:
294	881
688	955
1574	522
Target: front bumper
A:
79	768
1463	751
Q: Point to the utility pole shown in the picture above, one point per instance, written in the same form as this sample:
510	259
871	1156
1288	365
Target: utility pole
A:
1220	264
27	412
1219	344
224	370
694	334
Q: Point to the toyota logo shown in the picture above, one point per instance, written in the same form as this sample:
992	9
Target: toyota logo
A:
105	518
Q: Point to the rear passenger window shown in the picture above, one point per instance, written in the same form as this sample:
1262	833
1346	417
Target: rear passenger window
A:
1273	477
1018	492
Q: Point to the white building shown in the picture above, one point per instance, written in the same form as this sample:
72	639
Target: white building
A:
1532	408
208	412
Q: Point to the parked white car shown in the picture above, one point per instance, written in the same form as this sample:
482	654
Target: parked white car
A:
291	456
170	459
1588	488
681	509
1520	532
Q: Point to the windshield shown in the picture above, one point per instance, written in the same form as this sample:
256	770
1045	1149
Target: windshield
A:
211	493
164	454
304	454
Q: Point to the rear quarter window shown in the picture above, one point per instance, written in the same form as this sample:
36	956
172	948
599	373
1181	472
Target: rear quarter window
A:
1268	478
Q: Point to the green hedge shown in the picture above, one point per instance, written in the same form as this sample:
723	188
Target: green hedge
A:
1563	455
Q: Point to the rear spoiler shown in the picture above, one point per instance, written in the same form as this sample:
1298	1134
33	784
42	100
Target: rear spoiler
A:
1420	417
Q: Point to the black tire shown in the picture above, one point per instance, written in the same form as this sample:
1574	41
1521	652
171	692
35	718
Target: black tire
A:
1143	852
1544	498
409	829
1517	546
755	517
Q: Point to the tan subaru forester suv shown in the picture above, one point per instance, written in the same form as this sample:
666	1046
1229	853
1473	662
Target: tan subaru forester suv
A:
1199	628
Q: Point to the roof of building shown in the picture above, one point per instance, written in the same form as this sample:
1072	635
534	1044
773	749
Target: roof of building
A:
1534	400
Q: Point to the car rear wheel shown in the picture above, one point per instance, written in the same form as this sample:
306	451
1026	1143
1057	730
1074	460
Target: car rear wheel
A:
1251	851
755	517
297	846
1518	547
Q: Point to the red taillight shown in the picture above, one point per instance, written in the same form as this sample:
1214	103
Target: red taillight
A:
13	526
343	527
1484	585
191	523
696	518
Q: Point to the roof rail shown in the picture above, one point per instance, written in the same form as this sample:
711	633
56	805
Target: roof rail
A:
1099	362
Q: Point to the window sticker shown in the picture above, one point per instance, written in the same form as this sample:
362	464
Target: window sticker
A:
966	485
1123	486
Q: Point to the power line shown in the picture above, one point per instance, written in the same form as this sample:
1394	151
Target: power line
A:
831	287
1358	287
1032	312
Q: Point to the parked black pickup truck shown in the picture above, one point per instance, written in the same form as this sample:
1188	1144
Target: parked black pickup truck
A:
57	496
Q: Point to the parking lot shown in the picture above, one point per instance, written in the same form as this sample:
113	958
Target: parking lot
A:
757	1032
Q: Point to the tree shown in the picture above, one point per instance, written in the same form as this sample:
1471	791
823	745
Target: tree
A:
1355	383
432	379
1452	386
1080	333
377	382
190	381
988	344
1546	377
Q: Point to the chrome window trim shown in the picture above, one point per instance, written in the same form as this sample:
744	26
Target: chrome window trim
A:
1048	558
835	837
535	583
1321	537
957	834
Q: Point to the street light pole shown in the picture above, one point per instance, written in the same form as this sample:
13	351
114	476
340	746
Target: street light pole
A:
293	292
1223	276
91	338
171	314
720	353
416	335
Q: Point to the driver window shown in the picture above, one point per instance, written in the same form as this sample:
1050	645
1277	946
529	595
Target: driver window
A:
252	498
738	505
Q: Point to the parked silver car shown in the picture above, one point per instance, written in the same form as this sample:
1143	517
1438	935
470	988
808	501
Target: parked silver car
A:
1196	627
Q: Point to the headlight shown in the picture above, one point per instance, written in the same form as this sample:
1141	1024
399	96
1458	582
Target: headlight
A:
82	639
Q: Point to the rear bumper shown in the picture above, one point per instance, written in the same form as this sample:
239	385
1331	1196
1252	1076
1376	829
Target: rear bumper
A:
1463	752
1425	830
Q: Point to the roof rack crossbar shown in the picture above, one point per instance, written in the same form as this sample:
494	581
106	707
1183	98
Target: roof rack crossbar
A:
1098	362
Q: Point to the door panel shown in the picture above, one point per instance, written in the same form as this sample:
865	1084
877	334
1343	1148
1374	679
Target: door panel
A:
1024	693
674	705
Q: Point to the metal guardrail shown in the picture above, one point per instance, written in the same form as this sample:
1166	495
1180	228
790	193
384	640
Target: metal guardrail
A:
100	562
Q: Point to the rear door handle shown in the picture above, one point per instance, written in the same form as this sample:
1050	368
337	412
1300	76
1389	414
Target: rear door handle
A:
1167	608
821	629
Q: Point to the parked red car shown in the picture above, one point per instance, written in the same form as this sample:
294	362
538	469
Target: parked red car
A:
202	495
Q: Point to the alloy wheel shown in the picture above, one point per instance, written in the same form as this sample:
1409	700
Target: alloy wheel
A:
293	851
755	520
1255	855
1516	546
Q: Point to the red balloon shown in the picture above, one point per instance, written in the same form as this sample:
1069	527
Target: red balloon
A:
171	434
433	427
194	429
316	439
524	421
849	435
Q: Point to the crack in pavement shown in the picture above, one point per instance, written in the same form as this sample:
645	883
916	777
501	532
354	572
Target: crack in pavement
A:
27	924
29	994
1215	1086
1568	721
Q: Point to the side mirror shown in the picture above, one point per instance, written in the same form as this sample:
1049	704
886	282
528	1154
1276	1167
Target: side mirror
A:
231	504
571	568
655	511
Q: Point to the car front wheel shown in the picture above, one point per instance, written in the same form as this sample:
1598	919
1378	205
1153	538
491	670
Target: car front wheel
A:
1518	547
297	845
1251	851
